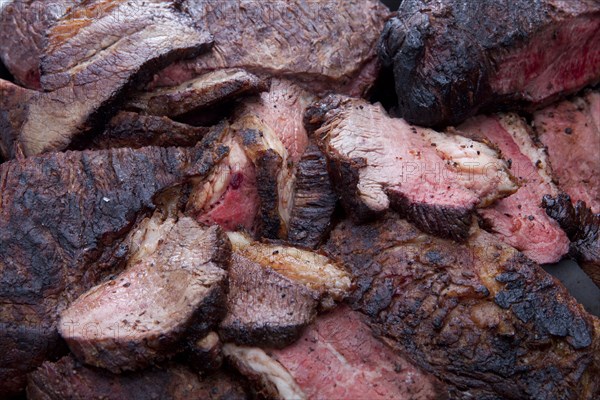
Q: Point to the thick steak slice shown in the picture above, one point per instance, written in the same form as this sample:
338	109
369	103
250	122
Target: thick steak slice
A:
200	93
453	58
321	45
68	379
570	130
93	57
436	179
339	358
140	316
480	315
583	228
519	219
63	220
133	130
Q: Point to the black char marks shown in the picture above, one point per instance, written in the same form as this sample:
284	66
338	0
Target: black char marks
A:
481	316
63	232
453	58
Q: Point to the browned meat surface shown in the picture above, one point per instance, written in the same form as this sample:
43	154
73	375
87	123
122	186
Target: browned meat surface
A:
436	179
62	232
481	316
176	278
68	379
583	228
133	130
13	113
453	58
321	45
339	358
570	130
92	58
519	219
199	93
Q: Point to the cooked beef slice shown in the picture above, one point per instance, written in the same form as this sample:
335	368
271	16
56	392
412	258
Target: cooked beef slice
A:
23	27
314	200
480	316
519	219
329	281
453	58
93	57
583	228
339	358
263	306
196	94
64	217
139	317
133	130
570	130
321	45
69	379
13	113
437	180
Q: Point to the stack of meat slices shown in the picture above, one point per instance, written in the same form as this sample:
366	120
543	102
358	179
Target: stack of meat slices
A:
198	200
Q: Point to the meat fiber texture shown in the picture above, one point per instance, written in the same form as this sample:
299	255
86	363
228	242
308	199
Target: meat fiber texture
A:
480	316
436	179
570	130
453	58
321	45
339	358
519	219
64	218
92	58
69	379
176	279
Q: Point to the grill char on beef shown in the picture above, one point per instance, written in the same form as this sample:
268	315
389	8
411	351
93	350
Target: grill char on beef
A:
377	162
90	62
519	219
68	379
175	278
453	58
481	316
570	130
62	232
583	228
299	40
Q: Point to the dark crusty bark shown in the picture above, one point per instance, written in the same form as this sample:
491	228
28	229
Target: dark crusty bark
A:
322	45
63	220
130	129
204	353
139	317
95	53
314	200
453	58
264	306
68	379
480	315
583	228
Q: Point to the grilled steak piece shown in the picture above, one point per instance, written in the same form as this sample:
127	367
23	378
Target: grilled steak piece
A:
63	220
23	27
481	316
571	132
321	45
583	228
314	200
13	113
377	162
519	219
265	307
130	129
453	58
199	93
91	61
177	277
68	379
339	347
